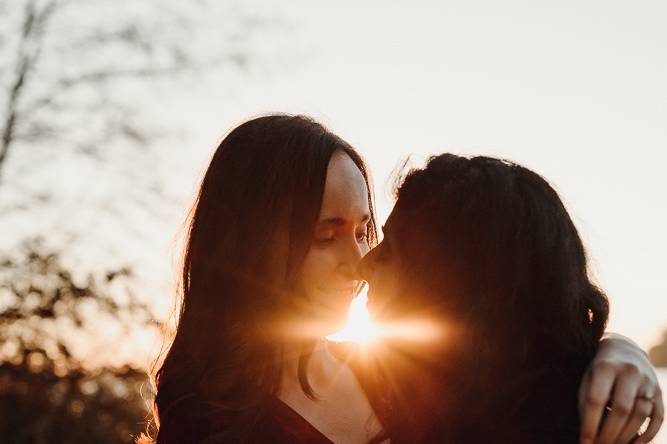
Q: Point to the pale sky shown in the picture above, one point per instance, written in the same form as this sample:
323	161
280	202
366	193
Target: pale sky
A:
572	90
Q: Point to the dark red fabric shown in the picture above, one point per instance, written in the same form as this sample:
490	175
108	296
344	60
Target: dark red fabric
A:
284	425
196	422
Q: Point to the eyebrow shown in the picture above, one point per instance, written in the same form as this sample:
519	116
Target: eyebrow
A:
339	221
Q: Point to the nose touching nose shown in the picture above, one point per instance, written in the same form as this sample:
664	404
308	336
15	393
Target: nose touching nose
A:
350	266
364	266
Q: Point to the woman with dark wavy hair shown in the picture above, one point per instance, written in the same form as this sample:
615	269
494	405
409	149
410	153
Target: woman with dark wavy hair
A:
485	249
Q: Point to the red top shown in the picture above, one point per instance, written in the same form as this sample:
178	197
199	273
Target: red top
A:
195	422
290	427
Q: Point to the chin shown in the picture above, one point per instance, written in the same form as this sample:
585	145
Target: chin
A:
330	326
333	325
333	316
340	323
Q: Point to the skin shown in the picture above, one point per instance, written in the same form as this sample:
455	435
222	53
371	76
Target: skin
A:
341	410
328	274
612	372
618	375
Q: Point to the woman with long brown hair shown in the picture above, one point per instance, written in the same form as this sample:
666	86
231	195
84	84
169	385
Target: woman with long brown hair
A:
283	215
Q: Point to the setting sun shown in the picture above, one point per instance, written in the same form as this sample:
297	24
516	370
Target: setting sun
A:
360	327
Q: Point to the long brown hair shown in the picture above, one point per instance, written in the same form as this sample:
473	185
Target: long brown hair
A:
224	363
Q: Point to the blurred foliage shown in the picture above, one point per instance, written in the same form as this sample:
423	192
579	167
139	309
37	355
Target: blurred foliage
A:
84	104
47	393
658	353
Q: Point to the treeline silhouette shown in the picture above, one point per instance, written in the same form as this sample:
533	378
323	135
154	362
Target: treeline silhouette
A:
47	394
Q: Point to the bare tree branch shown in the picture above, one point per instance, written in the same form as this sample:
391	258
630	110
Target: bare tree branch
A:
32	30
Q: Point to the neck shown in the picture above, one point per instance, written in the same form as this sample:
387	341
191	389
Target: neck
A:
322	369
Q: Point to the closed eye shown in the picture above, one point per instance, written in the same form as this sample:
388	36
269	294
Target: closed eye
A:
324	241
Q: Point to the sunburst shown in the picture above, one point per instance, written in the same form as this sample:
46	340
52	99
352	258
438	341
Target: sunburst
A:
360	327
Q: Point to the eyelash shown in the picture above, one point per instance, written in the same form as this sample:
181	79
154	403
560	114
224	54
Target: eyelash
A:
361	237
324	240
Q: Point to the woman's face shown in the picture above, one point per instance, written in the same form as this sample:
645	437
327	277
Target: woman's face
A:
381	269
397	271
414	335
328	274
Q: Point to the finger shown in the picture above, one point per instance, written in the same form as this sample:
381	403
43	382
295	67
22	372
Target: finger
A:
583	391
641	410
625	393
595	392
657	417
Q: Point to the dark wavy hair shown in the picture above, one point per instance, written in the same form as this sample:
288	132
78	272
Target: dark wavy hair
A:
494	253
225	362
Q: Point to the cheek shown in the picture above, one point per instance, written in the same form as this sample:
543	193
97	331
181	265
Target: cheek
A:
317	267
387	291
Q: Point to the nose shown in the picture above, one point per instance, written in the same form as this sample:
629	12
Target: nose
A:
365	265
352	256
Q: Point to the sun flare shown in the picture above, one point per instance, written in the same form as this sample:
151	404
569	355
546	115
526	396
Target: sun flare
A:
360	327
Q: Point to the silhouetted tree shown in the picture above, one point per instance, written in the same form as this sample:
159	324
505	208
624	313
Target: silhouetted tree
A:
85	90
78	83
74	71
47	392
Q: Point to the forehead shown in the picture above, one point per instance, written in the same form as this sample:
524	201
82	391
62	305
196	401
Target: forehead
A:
345	191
